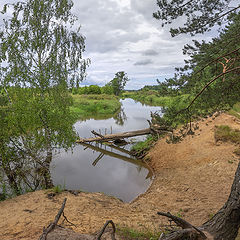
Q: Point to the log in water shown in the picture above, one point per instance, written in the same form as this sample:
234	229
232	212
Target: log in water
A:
109	137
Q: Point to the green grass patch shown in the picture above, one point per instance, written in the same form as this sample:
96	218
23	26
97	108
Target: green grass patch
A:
127	233
153	99
146	144
140	149
225	133
96	106
58	189
237	151
235	111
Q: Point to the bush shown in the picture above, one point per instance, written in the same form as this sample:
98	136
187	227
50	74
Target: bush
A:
107	90
74	91
94	89
225	133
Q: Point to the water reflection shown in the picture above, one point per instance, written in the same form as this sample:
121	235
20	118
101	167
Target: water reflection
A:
106	168
103	151
120	117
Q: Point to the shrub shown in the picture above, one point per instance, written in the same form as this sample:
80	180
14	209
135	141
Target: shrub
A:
225	133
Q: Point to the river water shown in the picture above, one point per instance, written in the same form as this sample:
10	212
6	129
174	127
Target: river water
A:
104	168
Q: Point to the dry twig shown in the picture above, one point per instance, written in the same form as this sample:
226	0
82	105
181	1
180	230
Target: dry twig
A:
52	225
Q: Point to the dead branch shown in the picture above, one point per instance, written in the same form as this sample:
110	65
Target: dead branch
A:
179	221
98	159
52	225
110	137
188	233
97	134
103	229
65	219
183	224
216	60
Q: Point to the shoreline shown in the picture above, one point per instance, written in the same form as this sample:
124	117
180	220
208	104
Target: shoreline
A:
193	179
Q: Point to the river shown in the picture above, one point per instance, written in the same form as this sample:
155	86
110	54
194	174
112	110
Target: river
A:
104	168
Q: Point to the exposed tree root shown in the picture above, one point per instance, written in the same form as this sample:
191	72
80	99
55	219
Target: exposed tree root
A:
188	230
52	225
56	232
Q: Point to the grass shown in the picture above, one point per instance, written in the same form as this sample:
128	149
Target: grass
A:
235	111
146	144
237	151
127	233
3	193
97	106
225	133
141	148
58	189
152	98
210	215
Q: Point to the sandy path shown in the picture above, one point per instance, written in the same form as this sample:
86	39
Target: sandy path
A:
193	179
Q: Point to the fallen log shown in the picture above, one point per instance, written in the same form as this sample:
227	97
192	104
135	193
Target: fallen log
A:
109	137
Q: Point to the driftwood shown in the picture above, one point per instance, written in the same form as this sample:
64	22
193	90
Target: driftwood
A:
103	229
188	230
110	137
54	223
56	232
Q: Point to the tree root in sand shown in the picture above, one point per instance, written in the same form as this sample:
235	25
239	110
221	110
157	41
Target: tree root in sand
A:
188	230
57	232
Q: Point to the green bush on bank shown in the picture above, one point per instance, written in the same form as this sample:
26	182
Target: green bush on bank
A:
225	133
235	111
85	106
146	144
93	89
152	98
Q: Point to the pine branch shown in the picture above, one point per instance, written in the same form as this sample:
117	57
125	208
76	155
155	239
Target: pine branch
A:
209	83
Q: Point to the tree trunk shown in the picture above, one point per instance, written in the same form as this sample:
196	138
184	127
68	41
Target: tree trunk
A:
11	178
226	222
47	181
224	225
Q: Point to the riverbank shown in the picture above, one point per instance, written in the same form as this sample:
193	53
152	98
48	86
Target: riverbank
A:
101	106
153	99
193	179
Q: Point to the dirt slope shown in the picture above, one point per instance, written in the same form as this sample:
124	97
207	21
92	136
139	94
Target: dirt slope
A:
193	179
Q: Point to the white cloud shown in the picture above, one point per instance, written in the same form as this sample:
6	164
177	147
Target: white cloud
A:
143	62
121	35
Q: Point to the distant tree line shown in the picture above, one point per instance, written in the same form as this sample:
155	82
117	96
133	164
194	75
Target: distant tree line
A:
93	89
115	86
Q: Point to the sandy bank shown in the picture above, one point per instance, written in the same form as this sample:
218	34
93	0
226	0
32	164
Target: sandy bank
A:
193	179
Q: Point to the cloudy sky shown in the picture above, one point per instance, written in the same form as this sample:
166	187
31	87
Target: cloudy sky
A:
122	35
